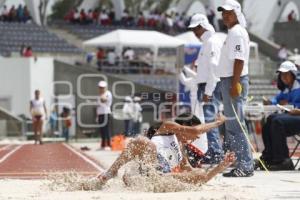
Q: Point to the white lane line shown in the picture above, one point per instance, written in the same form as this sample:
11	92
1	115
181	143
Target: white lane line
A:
84	158
10	153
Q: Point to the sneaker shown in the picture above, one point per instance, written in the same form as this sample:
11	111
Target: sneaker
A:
285	165
238	173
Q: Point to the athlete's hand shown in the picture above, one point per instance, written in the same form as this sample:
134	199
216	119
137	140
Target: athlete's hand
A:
220	119
229	159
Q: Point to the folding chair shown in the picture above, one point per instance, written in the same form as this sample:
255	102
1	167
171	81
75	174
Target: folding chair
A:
297	138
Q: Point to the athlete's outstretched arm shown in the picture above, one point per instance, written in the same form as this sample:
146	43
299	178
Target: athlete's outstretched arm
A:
200	177
185	133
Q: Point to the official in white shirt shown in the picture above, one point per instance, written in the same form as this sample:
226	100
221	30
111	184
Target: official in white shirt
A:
233	72
103	112
208	82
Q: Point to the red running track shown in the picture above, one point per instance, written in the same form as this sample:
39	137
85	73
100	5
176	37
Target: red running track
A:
37	161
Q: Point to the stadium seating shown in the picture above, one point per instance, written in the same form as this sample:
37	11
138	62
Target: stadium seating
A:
14	35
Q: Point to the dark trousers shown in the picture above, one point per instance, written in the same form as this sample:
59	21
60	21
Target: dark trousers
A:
277	128
104	121
66	133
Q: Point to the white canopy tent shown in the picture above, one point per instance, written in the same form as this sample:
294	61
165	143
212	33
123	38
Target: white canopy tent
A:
189	38
135	38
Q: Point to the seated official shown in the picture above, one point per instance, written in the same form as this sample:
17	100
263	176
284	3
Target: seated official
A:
280	126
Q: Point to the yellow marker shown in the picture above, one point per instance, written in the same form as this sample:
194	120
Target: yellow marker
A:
239	88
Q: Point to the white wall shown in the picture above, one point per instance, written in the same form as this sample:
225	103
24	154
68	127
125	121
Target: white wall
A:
15	83
41	77
19	77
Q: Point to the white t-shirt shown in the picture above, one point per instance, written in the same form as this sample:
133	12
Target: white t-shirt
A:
111	58
168	151
208	60
37	108
104	108
236	46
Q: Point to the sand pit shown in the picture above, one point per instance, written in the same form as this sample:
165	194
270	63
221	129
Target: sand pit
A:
278	185
115	190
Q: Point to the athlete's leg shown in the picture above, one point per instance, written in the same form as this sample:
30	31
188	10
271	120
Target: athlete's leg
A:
140	148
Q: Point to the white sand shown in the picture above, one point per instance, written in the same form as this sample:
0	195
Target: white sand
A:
279	185
276	185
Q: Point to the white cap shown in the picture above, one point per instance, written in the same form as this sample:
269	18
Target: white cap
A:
137	98
236	7
128	99
200	19
287	66
102	84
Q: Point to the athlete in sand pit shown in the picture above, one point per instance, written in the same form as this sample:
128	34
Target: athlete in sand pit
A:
161	150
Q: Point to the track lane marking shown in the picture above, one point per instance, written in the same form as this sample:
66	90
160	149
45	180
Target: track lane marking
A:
10	153
95	165
43	173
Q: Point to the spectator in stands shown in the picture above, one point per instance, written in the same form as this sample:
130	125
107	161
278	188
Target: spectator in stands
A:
89	17
233	72
12	14
28	52
76	16
210	14
128	115
141	22
95	16
103	113
125	17
82	17
66	122
38	113
20	14
27	15
100	58
4	14
291	16
69	17
112	18
104	19
137	115
280	126
282	53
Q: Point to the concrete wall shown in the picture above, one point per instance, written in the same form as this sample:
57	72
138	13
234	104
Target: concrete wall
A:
71	74
19	77
287	33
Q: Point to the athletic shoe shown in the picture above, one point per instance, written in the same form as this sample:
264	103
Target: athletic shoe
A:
238	173
285	165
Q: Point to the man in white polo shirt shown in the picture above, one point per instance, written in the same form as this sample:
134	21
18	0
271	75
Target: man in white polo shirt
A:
208	83
104	102
233	72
